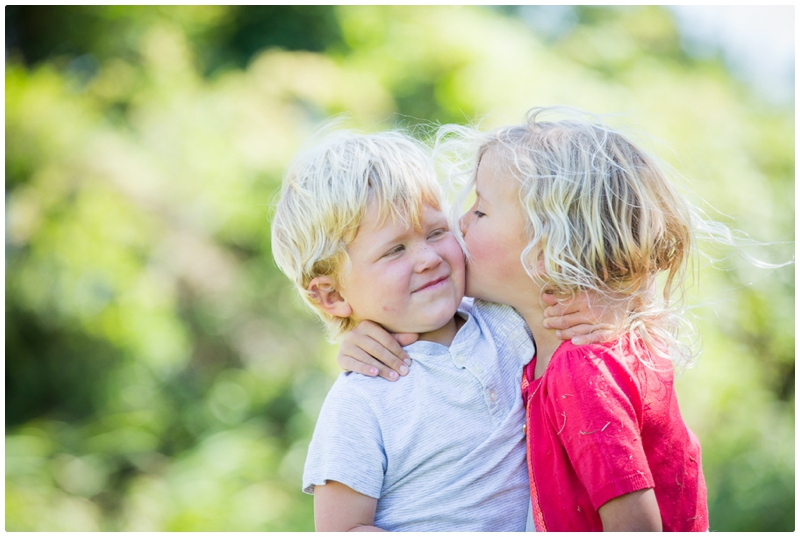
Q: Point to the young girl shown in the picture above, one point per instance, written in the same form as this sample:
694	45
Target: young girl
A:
571	207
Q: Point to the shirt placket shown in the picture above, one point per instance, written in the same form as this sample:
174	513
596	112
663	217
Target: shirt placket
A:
488	375
529	389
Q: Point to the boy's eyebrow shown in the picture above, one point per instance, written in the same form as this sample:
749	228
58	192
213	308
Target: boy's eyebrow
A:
391	240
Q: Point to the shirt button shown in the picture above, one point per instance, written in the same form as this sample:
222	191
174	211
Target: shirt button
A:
478	369
493	395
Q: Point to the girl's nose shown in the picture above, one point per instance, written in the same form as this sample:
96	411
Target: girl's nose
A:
462	224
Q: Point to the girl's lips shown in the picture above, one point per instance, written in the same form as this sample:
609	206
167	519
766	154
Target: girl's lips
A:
433	283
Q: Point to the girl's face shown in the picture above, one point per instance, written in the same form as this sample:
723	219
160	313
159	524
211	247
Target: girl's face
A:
494	232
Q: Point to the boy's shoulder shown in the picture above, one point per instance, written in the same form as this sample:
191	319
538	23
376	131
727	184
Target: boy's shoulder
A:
357	390
350	382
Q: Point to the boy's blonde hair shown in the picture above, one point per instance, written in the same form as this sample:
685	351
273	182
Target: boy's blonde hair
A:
325	194
601	216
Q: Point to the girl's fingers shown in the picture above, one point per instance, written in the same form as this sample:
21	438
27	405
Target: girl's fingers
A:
549	299
363	363
559	310
348	363
572	331
389	343
563	322
598	336
583	331
370	350
378	350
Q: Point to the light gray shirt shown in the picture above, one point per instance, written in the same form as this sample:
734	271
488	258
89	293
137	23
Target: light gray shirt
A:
442	449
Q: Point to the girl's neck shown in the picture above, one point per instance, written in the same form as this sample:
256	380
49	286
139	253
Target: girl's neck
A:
546	340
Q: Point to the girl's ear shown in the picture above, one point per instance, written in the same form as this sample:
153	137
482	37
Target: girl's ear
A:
535	265
323	290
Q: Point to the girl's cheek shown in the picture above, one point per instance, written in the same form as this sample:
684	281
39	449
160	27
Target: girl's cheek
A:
490	254
476	246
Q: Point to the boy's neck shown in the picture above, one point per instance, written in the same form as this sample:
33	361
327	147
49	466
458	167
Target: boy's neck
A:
446	334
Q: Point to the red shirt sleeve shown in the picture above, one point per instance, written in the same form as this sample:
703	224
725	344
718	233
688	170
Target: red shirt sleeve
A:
594	403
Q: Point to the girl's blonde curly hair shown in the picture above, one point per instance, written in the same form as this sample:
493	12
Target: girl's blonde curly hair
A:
601	216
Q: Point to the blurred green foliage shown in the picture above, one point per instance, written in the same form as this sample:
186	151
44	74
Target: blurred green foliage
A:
161	374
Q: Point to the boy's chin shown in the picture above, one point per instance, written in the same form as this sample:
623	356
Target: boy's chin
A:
428	325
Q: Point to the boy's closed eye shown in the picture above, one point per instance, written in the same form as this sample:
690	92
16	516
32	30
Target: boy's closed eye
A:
433	235
478	214
395	250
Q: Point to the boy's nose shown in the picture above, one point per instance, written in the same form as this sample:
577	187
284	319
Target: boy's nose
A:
428	258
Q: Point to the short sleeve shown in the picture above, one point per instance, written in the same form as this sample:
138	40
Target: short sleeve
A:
347	444
594	403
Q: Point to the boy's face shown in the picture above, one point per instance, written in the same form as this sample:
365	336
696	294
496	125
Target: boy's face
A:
404	279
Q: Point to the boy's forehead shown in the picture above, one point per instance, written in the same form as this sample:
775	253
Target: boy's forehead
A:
376	227
381	217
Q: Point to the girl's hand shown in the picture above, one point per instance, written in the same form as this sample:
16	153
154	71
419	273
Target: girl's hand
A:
370	350
584	319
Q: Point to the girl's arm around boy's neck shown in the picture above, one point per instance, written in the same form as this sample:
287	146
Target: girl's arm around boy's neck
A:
337	507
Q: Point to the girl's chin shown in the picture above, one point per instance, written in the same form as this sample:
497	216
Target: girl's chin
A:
480	294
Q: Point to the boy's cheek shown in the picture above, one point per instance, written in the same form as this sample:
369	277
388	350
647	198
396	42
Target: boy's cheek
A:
386	308
460	284
455	254
458	268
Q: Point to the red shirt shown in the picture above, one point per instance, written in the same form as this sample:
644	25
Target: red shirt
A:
601	424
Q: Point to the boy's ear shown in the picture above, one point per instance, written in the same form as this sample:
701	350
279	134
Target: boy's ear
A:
323	290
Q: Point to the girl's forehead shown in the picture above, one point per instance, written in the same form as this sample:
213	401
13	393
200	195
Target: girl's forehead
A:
489	158
494	177
494	164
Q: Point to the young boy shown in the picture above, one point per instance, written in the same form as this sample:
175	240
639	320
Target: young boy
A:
359	229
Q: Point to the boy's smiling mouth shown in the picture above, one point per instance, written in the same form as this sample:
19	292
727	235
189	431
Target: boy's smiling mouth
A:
431	284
